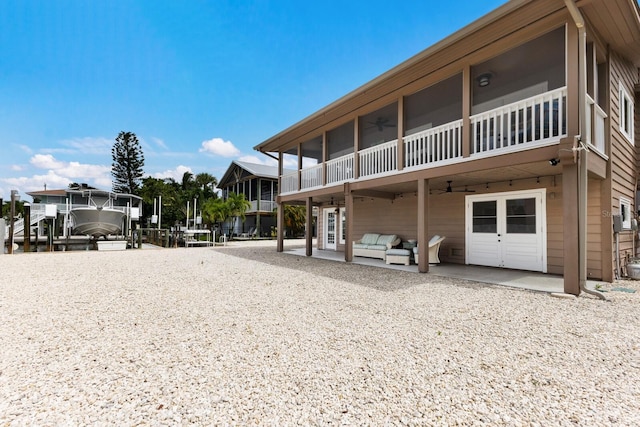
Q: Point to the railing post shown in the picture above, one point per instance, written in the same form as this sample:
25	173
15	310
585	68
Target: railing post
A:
466	111
400	145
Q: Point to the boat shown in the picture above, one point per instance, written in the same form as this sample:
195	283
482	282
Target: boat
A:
99	215
97	221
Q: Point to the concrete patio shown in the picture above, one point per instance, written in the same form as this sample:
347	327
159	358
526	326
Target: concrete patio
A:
512	278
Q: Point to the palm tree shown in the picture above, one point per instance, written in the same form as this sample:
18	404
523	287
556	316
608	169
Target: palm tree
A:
238	205
206	184
215	211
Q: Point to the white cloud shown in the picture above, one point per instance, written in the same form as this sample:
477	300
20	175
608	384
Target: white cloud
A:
51	179
70	169
85	145
25	148
176	173
16	168
59	174
219	147
160	143
46	161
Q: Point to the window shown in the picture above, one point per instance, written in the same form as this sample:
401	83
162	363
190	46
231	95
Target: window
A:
343	226
625	213
521	216
485	217
626	114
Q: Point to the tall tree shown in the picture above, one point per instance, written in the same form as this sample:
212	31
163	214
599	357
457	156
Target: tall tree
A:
128	161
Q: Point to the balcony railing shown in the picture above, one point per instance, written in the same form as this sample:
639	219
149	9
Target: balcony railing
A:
530	122
433	145
289	182
311	177
379	159
265	206
340	169
595	125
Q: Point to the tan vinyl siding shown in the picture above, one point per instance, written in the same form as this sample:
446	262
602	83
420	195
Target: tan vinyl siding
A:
623	153
594	227
447	218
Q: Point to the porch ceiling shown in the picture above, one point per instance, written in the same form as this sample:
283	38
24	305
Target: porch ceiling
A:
624	36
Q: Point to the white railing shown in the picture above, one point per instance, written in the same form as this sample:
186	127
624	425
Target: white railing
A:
595	125
265	206
378	159
530	121
289	182
311	177
433	145
37	214
340	169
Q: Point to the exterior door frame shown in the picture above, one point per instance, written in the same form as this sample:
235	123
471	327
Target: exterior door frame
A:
329	214
499	242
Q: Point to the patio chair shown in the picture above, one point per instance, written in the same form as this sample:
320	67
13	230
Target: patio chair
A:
434	250
250	233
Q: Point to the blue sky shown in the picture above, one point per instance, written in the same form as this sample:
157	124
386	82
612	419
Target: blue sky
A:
199	82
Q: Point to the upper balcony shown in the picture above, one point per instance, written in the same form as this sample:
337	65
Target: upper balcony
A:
513	102
529	123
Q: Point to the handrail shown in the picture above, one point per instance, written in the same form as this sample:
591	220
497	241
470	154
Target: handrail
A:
532	120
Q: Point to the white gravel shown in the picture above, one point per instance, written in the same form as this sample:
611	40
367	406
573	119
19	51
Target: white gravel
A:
243	335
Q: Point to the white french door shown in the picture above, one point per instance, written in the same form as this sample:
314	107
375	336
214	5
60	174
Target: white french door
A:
330	229
507	230
334	226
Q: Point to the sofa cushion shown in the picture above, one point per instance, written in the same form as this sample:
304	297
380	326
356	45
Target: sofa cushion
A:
360	246
385	239
377	247
369	239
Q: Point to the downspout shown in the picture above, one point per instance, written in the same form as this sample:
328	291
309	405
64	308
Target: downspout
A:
581	149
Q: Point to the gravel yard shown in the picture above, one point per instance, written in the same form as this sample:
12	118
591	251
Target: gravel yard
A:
243	335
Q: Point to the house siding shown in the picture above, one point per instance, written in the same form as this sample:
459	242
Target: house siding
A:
624	157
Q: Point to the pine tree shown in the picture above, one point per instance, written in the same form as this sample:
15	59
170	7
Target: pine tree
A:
128	161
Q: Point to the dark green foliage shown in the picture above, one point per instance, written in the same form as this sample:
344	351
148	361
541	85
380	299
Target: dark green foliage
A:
128	161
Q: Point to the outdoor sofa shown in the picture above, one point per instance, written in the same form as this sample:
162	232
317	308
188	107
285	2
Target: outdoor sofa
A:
375	245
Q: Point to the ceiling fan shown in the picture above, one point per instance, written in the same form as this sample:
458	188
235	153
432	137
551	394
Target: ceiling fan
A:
381	123
451	190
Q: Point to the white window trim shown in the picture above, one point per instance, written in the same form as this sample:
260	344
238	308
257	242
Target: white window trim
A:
625	213
342	221
626	115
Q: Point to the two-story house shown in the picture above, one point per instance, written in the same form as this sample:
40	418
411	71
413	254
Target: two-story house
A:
514	137
259	184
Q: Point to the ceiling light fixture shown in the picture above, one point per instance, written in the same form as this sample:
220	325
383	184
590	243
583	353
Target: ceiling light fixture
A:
484	79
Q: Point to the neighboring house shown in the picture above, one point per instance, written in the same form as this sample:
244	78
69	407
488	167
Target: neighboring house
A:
63	201
259	184
514	138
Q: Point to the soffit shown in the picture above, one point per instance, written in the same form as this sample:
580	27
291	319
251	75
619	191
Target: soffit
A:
624	35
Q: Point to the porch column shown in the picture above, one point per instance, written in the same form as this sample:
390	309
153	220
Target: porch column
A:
309	226
279	207
258	207
570	177
26	231
299	167
280	222
348	241
325	154
423	226
400	146
466	111
356	147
